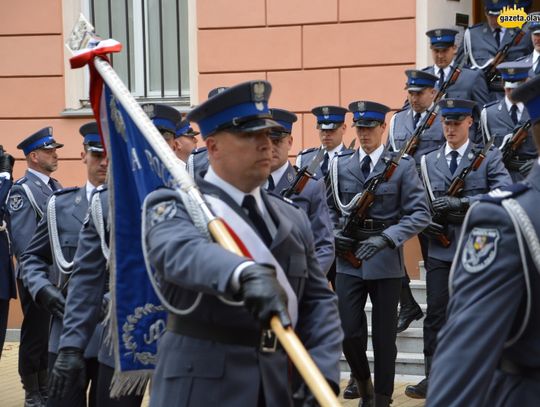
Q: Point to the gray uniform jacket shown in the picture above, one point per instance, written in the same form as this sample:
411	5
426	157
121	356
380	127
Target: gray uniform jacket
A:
312	200
499	124
400	203
71	208
487	309
402	128
87	286
199	372
24	218
529	59
197	162
305	157
490	175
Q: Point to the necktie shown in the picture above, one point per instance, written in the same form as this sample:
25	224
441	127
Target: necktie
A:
52	185
250	205
271	184
537	69
453	161
366	168
441	78
513	114
498	36
324	165
417	119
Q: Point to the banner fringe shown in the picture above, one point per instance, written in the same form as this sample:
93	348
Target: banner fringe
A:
130	383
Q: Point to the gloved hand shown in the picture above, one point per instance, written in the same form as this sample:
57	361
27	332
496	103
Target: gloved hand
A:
372	245
344	244
50	298
433	229
6	163
304	398
104	310
263	295
69	370
450	203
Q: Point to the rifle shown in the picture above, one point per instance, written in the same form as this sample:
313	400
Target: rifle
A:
490	71
359	212
519	135
303	175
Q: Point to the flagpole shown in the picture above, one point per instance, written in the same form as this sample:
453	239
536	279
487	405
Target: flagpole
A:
287	337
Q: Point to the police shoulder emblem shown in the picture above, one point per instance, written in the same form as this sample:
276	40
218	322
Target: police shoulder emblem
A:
162	211
480	249
16	202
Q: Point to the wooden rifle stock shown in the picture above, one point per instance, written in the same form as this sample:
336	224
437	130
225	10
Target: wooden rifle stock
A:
519	136
299	183
491	70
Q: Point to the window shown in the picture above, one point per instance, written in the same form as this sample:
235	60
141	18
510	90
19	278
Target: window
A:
154	62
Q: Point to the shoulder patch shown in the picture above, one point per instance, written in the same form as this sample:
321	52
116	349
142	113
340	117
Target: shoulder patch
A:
500	194
476	25
16	202
282	198
66	190
162	211
345	152
480	249
21	181
308	150
493	102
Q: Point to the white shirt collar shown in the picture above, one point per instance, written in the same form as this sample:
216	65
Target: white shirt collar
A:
535	56
278	174
461	150
375	155
336	150
40	175
445	70
520	105
89	189
236	195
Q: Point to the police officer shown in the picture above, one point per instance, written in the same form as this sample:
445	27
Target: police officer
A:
488	348
482	41
54	243
500	119
398	213
332	127
533	28
312	199
86	304
7	280
185	140
216	348
420	95
26	205
470	84
439	169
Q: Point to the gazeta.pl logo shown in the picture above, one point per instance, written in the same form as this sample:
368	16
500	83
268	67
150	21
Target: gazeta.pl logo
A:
513	17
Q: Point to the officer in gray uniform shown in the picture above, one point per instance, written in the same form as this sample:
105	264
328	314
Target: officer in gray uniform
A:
533	27
488	353
398	213
185	140
470	84
500	119
332	127
197	162
7	279
312	199
420	95
54	244
439	169
26	205
214	355
86	305
482	41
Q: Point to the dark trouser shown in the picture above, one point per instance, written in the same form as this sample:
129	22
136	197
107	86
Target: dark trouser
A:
407	298
384	294
105	376
331	276
34	334
4	312
76	397
437	301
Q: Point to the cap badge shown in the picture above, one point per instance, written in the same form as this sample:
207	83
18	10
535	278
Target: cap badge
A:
149	109
450	103
511	71
258	91
438	33
326	112
361	106
414	74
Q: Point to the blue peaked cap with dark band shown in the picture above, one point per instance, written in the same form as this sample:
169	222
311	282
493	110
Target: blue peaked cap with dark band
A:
40	139
456	109
514	71
368	114
534	26
216	91
284	118
418	80
241	108
164	117
329	117
529	94
91	140
442	37
184	129
494	7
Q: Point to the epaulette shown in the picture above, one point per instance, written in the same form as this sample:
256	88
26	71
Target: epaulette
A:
282	198
345	152
308	150
500	194
21	181
476	25
65	190
199	150
493	102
